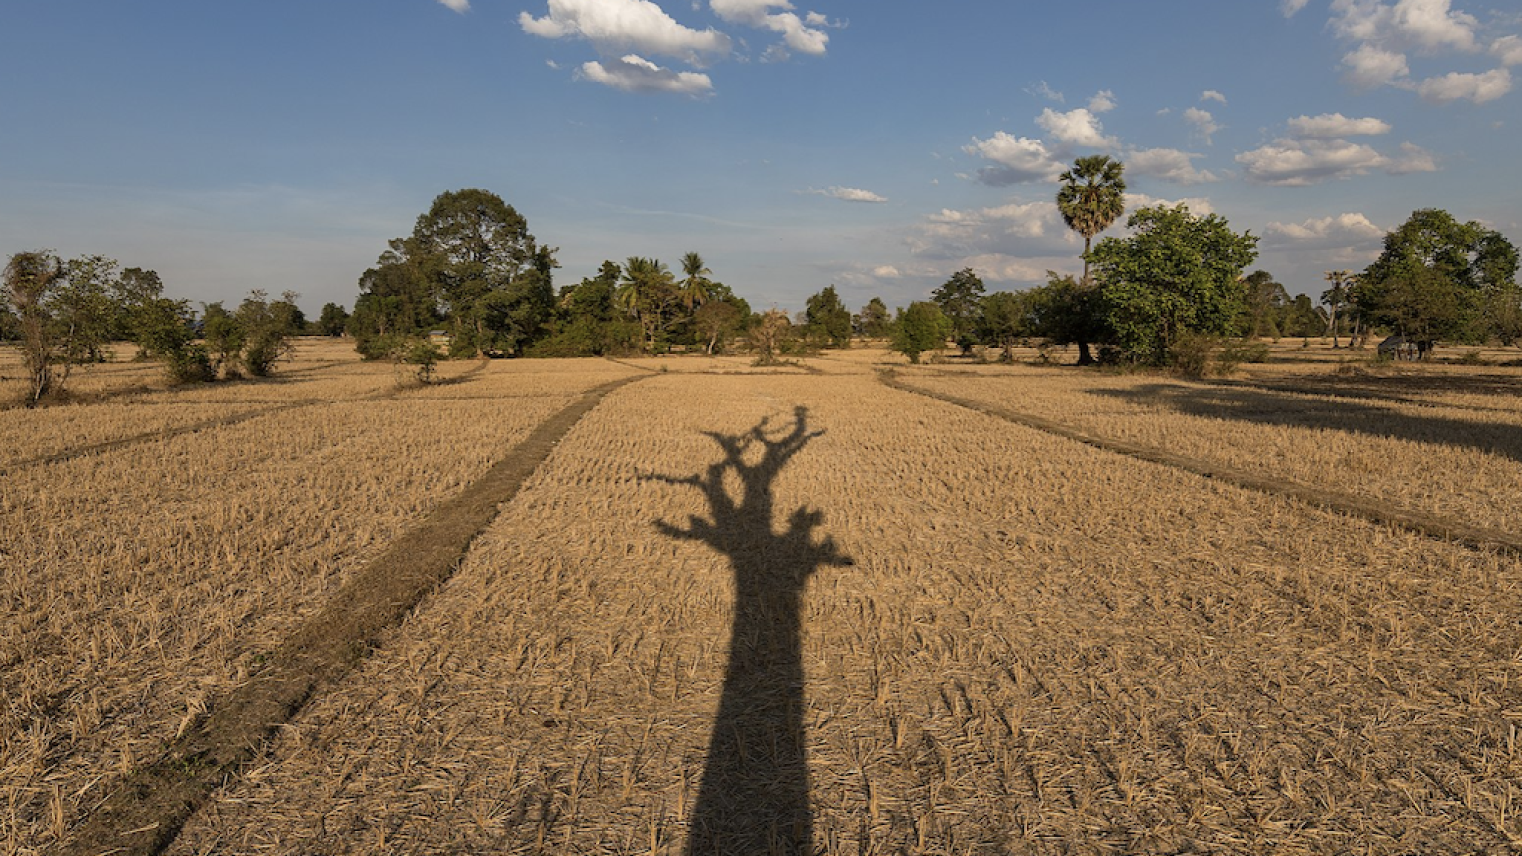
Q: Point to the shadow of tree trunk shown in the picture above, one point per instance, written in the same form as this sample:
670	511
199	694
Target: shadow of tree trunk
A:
754	796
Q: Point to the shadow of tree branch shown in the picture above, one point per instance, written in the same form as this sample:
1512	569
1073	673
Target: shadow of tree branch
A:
754	792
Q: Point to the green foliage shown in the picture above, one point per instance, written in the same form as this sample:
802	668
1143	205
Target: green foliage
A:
920	328
422	354
1176	274
1438	279
1008	317
31	280
1092	196
1066	311
961	301
332	320
717	320
265	328
874	322
829	321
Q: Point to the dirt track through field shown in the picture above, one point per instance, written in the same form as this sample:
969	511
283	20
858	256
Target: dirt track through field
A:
145	814
1429	525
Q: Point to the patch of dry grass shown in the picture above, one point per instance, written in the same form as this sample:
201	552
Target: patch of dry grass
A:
143	580
1454	454
1039	648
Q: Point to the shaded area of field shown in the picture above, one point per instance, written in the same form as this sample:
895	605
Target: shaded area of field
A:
1458	463
1039	648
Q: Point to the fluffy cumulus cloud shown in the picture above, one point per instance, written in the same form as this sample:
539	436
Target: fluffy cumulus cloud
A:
1507	49
1078	127
1204	123
1168	164
1016	160
1299	163
849	194
1343	230
804	35
1196	204
1385	31
1332	125
616	26
1102	102
1369	66
633	73
461	6
1024	230
1458	86
1212	95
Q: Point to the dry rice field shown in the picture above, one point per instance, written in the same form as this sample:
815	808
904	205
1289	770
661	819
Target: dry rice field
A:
792	611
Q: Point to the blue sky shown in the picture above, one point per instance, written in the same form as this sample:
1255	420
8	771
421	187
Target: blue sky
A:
875	146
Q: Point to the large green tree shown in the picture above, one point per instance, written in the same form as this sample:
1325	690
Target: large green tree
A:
920	328
1008	317
1176	274
961	301
470	262
1437	279
828	318
873	322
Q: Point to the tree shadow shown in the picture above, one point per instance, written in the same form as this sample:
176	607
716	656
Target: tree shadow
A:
754	796
1264	407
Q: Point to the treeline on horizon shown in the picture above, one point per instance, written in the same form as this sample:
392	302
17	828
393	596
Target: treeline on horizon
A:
1170	291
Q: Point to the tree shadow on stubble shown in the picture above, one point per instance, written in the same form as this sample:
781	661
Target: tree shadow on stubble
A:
754	796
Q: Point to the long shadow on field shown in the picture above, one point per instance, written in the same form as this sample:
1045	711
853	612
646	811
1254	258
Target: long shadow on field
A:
754	796
1273	408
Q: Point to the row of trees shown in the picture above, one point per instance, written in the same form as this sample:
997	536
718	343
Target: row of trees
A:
63	313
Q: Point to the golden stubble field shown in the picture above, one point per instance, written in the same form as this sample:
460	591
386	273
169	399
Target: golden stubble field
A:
738	612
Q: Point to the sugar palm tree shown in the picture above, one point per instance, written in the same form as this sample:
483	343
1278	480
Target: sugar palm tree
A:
1092	196
695	283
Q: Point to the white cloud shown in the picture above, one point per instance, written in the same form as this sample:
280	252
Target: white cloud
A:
1102	102
1168	164
634	73
1428	25
1297	163
886	272
1212	95
1369	66
461	6
1324	233
1196	204
1413	158
1456	86
1076	127
804	37
1330	125
1290	7
614	26
849	194
1508	49
1019	160
1044	91
1203	122
1014	229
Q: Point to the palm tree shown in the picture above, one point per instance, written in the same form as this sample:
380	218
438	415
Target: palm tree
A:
646	292
1092	196
695	285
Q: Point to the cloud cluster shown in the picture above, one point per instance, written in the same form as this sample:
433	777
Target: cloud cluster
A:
1343	230
849	194
1013	232
1385	32
1017	160
1169	165
625	33
1318	150
461	6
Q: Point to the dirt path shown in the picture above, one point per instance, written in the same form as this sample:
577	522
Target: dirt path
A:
1429	525
145	814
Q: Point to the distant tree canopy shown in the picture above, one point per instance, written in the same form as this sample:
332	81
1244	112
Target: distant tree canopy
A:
828	319
961	301
1440	280
1176	274
470	262
920	328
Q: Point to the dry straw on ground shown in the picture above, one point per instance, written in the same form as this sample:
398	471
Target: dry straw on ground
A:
1036	647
